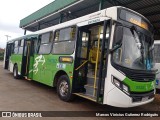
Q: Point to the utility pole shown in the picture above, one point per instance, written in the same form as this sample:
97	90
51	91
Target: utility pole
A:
7	37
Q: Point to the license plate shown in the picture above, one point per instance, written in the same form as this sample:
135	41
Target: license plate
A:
145	98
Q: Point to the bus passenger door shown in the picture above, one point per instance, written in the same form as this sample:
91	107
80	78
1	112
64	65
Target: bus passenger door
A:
8	53
91	60
27	59
81	61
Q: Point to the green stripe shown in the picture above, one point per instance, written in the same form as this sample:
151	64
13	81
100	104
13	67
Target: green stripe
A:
139	86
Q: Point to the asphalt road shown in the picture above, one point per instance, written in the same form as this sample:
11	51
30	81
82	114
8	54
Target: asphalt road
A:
24	95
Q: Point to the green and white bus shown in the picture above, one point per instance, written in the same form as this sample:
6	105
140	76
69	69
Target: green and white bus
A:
106	57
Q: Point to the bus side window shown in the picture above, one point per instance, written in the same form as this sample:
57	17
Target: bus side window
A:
21	43
16	47
45	43
83	45
64	41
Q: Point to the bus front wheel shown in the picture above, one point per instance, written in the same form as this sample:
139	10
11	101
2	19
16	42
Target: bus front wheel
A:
64	89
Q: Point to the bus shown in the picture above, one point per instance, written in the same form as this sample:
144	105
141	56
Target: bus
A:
106	57
157	63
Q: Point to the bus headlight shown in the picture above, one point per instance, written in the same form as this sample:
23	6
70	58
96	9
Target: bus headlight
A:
116	82
125	88
120	85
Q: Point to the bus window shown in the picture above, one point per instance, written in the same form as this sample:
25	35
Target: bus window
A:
16	44
15	47
63	47
64	41
20	50
46	43
83	45
21	43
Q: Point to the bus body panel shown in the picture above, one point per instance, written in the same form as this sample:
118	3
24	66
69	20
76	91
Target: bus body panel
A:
45	68
16	59
11	66
116	97
119	99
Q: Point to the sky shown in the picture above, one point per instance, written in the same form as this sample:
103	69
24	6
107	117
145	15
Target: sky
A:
11	12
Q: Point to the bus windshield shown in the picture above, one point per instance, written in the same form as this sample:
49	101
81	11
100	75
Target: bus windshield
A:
136	51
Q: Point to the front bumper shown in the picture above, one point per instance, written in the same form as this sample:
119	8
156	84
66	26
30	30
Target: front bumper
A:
118	98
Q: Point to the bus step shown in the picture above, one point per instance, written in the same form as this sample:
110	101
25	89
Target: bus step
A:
92	73
90	80
90	89
86	96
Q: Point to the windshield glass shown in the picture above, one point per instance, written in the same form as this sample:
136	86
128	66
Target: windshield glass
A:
136	51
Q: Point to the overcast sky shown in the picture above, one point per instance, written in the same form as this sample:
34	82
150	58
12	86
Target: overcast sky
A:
11	12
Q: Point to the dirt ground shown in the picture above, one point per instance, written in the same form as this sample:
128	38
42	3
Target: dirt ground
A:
24	95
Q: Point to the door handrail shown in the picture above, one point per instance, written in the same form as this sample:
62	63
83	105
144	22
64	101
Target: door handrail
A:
81	65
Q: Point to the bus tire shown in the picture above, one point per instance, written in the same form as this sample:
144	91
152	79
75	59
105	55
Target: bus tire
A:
15	72
63	88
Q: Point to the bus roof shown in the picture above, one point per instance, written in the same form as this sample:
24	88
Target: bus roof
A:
23	37
107	13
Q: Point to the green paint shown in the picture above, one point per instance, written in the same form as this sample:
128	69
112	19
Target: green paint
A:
46	71
139	86
30	75
17	59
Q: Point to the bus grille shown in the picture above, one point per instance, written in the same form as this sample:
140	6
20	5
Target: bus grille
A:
138	75
141	76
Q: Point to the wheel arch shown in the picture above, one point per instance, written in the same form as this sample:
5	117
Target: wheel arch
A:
57	75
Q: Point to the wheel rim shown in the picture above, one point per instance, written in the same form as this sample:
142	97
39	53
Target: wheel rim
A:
63	88
14	72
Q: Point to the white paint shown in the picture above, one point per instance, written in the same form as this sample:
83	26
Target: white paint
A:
39	59
11	65
117	98
87	22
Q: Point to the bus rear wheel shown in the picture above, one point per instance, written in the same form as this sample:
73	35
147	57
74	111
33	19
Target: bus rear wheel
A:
64	89
15	72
